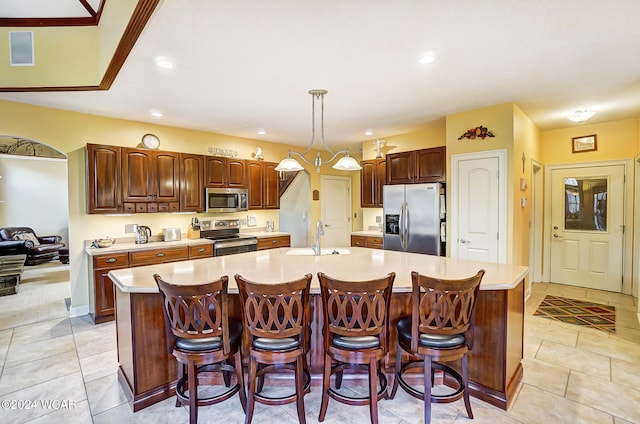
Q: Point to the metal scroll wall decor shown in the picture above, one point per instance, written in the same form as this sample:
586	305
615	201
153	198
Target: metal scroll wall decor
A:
25	147
477	132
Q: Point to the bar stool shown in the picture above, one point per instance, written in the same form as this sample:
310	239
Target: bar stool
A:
276	317
202	338
356	334
440	329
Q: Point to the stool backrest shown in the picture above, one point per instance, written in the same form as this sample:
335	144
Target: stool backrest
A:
356	308
443	306
195	311
276	310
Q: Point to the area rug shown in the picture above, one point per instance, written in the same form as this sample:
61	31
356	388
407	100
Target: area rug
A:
578	312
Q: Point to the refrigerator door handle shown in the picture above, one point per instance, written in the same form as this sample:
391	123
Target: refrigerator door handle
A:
407	225
401	225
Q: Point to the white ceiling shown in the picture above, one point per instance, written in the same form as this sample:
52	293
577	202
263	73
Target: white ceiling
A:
246	65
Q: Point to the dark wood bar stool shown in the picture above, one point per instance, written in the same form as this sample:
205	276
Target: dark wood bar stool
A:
202	338
356	335
440	329
277	319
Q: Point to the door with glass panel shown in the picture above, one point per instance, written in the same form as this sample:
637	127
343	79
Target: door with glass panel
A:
587	227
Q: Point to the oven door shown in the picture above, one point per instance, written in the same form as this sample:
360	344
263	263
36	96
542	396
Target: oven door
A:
231	247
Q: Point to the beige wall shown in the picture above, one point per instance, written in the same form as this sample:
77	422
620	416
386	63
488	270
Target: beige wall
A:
70	132
616	140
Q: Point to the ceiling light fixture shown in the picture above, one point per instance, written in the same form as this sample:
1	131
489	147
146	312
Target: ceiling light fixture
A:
157	114
345	163
164	63
427	58
581	115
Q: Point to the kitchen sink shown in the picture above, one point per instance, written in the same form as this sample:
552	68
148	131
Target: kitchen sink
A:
307	251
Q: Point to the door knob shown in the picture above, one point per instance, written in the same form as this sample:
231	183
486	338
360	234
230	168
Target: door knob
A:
463	241
556	236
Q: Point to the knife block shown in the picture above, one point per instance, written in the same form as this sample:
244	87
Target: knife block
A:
193	234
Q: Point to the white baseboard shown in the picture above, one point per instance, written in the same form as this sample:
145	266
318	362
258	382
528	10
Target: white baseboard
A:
78	311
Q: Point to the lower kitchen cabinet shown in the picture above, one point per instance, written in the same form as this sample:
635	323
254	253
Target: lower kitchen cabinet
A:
103	286
104	309
273	242
372	242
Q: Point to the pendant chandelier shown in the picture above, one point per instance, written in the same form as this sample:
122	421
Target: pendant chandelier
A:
345	163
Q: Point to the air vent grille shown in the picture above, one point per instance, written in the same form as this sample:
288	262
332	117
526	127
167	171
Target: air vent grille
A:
21	48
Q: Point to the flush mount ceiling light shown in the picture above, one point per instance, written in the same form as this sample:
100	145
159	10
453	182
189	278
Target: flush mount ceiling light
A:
345	163
164	63
581	115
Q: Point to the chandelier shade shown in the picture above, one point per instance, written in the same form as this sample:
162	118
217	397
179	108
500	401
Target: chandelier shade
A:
345	163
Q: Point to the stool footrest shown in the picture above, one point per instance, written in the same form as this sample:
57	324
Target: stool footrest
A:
435	398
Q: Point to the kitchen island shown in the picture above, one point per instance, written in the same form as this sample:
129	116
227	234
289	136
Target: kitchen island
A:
147	371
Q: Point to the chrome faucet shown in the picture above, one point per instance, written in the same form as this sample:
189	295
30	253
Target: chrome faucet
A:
315	244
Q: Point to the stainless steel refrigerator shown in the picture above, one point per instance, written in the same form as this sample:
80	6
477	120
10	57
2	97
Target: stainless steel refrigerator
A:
414	217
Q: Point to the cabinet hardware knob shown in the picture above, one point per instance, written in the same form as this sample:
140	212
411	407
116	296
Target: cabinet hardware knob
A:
111	260
159	255
274	241
357	243
201	249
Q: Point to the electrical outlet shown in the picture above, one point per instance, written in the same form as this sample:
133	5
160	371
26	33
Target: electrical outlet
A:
130	228
378	219
243	221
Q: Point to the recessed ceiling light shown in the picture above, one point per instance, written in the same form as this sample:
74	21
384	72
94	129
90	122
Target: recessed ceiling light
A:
157	114
581	115
427	57
368	133
262	132
164	63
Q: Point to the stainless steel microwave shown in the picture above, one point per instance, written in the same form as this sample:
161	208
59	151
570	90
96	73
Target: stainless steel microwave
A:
226	199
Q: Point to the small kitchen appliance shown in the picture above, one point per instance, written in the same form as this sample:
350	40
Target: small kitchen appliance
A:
142	234
172	234
226	237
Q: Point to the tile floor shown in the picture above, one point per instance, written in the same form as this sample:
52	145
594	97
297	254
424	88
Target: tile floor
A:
64	370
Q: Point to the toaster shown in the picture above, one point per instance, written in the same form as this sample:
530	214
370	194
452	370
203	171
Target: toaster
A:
172	234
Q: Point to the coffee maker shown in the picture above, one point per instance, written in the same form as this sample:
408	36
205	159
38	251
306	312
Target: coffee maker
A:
142	234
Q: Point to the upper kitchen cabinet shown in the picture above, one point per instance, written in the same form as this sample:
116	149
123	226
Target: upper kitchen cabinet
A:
225	172
150	181
417	166
104	191
372	178
191	183
263	184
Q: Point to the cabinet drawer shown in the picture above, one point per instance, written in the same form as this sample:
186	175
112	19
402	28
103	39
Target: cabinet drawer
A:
117	260
359	241
202	251
157	256
374	242
274	242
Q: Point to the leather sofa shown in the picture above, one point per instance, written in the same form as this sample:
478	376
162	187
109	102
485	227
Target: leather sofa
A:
23	240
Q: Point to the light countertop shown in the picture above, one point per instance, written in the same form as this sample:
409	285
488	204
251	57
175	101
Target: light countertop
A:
275	265
119	247
370	233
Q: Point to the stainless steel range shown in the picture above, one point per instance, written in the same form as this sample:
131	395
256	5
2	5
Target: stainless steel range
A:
226	237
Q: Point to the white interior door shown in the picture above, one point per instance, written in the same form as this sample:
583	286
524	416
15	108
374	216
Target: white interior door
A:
476	208
587	226
336	211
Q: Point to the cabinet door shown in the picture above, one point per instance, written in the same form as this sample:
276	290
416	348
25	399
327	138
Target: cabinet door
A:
137	175
368	184
104	301
254	181
104	194
166	181
400	168
271	187
431	165
380	181
191	180
215	171
236	173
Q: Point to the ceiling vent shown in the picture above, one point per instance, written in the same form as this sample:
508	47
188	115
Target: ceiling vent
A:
21	48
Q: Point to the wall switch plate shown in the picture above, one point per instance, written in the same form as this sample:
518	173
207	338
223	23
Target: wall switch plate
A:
252	221
130	228
378	219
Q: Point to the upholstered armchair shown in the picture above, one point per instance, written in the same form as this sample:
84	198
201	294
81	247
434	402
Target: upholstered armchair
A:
23	240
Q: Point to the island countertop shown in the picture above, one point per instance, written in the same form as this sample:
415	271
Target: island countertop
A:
283	264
